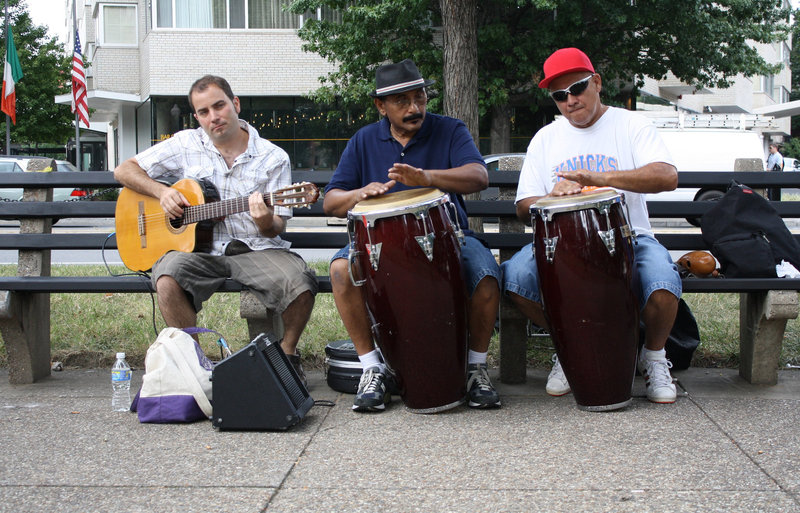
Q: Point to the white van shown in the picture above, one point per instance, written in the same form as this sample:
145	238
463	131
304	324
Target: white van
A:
708	149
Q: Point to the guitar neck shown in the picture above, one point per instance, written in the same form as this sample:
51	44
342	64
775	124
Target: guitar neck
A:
218	209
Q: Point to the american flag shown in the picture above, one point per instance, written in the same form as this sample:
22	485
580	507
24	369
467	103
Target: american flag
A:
79	102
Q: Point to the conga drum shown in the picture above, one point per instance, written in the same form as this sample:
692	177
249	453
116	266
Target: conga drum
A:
405	250
583	247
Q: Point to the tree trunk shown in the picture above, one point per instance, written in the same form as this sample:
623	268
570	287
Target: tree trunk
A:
501	129
460	74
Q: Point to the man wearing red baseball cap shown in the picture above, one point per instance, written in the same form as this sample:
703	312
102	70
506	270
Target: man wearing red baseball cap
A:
593	144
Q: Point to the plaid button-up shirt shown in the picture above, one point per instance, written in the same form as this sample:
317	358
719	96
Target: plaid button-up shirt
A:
263	167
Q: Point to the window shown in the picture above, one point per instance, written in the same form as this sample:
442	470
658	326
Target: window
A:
785	53
117	25
322	13
782	95
223	14
768	85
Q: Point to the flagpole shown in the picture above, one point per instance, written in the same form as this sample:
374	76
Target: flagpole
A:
8	118
78	162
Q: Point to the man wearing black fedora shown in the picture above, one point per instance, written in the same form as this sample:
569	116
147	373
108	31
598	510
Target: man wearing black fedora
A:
410	148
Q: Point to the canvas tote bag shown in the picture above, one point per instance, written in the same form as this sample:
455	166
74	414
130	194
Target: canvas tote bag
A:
176	386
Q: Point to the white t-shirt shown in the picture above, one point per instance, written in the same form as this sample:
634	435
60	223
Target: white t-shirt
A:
620	140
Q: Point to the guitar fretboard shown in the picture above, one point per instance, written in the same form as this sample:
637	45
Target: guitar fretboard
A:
217	209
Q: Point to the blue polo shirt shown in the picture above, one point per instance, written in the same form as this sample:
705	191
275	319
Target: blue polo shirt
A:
440	143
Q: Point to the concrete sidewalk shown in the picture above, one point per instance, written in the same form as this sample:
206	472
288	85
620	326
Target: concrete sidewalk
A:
725	446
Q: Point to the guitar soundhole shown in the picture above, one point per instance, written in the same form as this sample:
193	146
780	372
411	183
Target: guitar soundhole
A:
176	224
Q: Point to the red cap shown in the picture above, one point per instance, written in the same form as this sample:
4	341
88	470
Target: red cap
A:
561	62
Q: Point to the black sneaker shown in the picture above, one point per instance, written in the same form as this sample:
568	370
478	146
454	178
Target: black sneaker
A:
372	394
479	387
294	359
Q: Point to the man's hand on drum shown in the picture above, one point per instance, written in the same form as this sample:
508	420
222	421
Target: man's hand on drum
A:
410	175
565	188
574	181
373	189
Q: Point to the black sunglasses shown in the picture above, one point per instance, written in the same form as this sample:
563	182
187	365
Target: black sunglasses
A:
575	89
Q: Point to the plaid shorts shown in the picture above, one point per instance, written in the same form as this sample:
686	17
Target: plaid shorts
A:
276	276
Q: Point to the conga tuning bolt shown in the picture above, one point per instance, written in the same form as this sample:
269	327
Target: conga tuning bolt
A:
608	235
375	254
453	217
550	248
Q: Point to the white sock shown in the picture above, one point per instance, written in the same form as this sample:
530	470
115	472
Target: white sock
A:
651	355
476	357
372	359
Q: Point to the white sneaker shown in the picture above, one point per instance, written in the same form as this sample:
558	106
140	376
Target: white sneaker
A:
557	384
660	388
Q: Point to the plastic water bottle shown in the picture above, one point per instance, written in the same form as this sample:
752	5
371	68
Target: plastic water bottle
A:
121	384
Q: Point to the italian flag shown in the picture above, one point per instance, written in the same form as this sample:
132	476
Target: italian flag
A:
12	73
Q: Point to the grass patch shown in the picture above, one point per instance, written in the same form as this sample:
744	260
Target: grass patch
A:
87	329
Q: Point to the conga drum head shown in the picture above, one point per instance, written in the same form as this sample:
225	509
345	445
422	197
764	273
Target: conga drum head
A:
550	205
403	202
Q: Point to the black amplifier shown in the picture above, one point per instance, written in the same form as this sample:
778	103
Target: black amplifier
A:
256	388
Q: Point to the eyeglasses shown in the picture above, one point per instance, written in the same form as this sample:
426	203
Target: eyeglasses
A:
404	102
575	89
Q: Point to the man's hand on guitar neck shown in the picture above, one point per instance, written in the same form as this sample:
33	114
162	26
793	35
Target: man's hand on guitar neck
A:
268	223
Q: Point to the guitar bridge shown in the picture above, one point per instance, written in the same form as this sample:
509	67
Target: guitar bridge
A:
141	222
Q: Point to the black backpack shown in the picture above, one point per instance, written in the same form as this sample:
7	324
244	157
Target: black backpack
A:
747	235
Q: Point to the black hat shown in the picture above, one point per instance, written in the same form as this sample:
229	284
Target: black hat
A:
398	78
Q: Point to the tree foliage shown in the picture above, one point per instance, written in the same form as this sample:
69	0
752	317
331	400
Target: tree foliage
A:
701	42
46	69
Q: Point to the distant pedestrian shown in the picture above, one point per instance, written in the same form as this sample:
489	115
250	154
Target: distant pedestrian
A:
774	163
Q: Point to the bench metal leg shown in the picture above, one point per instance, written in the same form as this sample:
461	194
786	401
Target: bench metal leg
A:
25	326
762	323
259	319
513	343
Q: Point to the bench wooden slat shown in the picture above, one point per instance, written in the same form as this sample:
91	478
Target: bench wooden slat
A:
96	179
86	284
129	283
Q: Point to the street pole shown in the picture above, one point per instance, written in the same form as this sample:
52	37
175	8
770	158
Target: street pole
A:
78	162
8	118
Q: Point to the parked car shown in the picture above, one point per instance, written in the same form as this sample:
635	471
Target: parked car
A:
492	162
18	164
790	164
708	149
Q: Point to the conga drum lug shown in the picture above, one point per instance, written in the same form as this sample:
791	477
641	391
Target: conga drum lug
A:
608	240
426	243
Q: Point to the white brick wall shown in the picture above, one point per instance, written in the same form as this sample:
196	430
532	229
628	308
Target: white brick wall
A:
116	69
255	62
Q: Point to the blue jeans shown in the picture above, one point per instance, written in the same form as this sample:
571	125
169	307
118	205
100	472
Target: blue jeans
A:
476	259
654	271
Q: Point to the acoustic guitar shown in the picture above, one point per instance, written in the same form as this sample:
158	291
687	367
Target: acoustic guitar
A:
145	232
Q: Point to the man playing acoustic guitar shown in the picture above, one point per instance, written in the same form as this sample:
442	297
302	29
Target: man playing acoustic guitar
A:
229	154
